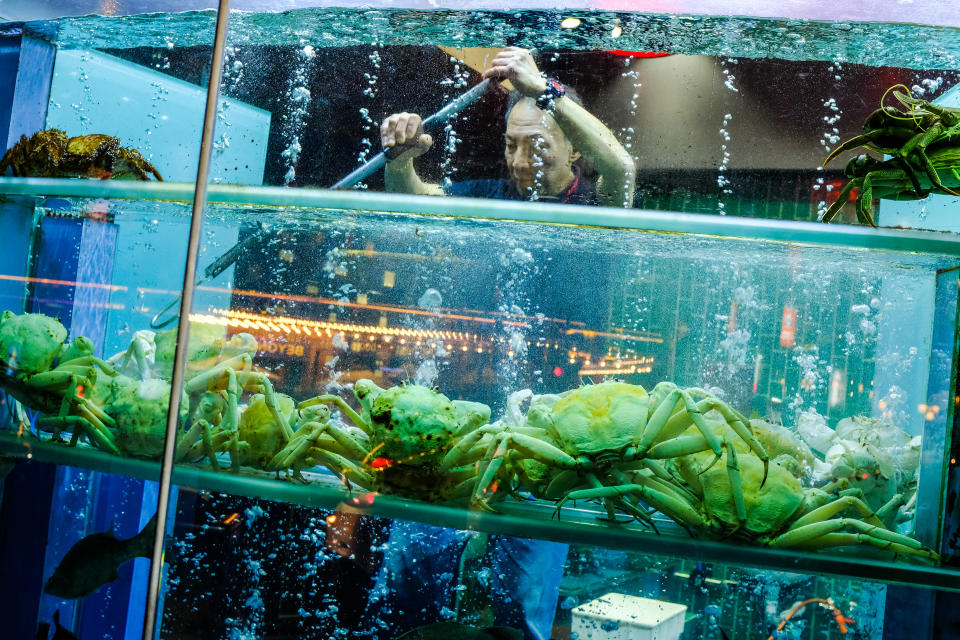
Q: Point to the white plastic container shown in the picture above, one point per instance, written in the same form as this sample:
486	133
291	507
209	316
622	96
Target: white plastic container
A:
616	616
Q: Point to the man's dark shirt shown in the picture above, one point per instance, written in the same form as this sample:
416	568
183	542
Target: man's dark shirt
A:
582	191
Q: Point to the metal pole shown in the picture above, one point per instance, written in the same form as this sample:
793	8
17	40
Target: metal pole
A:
183	329
451	109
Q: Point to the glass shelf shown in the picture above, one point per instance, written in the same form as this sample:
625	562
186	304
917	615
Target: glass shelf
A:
926	242
529	520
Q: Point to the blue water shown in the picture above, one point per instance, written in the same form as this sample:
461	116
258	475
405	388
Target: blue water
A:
880	44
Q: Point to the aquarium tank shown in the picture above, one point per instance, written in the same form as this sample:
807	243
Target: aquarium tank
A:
409	320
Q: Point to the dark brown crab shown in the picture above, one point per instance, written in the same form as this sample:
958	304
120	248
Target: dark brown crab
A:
51	154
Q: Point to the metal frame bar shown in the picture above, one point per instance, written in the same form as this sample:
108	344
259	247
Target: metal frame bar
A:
183	329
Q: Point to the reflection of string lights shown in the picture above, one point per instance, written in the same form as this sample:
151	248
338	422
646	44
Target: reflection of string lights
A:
615	372
640	336
66	283
406	337
277	324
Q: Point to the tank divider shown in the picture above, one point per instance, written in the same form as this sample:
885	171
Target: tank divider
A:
183	328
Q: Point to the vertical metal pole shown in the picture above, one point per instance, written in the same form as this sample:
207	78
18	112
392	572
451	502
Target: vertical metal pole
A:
183	329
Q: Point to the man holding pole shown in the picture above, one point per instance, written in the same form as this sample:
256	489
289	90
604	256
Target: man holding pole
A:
547	132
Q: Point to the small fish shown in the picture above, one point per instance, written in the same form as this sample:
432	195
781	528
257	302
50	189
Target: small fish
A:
61	633
458	631
93	561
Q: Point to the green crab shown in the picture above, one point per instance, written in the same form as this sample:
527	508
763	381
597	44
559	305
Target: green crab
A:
139	410
597	438
407	435
887	179
920	142
51	154
732	499
874	458
218	371
906	135
261	436
40	370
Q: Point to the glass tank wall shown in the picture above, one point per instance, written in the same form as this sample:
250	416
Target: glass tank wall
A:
586	363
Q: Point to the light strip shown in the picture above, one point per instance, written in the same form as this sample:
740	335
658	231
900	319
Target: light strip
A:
65	283
590	333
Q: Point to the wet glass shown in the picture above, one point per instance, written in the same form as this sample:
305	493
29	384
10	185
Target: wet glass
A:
319	313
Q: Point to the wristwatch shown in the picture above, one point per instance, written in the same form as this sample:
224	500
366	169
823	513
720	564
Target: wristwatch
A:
553	91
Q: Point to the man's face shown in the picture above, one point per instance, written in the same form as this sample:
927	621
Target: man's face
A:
539	157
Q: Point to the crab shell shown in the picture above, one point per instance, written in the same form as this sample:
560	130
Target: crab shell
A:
413	423
769	507
50	153
140	411
30	343
594	418
39	155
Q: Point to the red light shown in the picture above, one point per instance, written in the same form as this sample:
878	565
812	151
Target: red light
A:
376	463
79	390
557	371
865	476
637	54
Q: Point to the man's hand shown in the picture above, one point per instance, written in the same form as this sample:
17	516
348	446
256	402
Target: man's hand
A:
517	65
402	137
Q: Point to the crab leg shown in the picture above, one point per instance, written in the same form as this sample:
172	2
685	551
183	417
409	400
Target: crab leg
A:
817	535
885	177
736	485
679	446
739	424
87	362
657	483
527	445
462	450
865	139
837	506
101	437
841	200
828	540
463	489
891	507
342	405
311	432
668	480
631	506
679	510
135	350
661	415
654	482
200	430
346	469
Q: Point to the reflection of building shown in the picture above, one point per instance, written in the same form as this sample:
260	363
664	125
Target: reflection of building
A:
767	336
383	310
305	355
